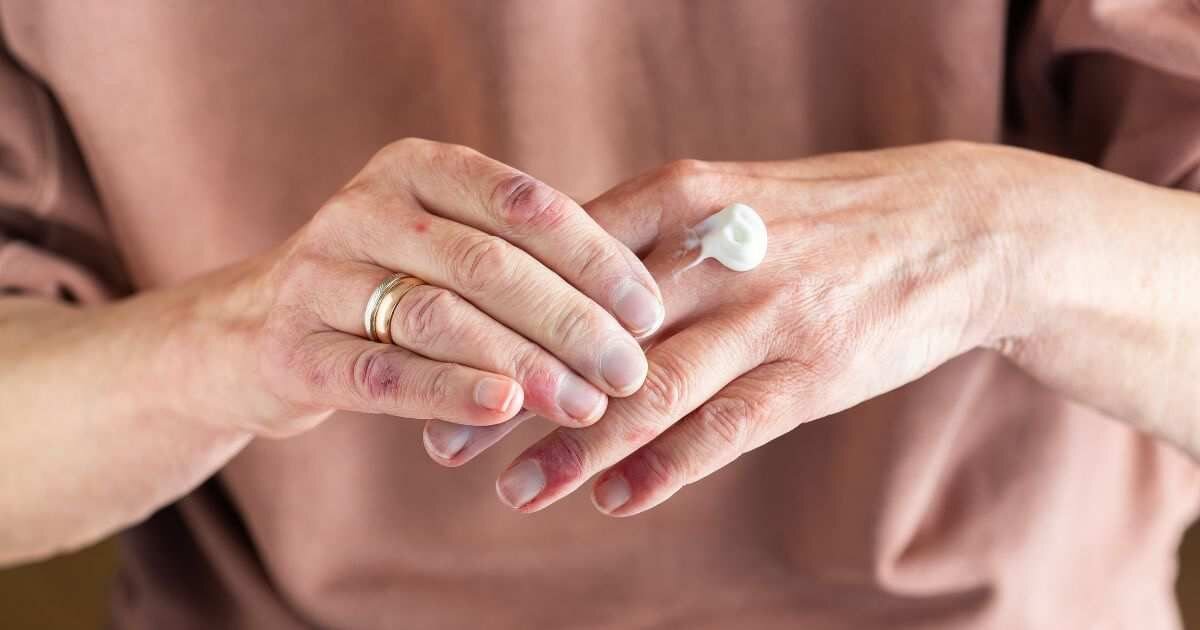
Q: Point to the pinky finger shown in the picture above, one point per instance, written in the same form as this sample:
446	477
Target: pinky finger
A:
453	445
747	413
341	371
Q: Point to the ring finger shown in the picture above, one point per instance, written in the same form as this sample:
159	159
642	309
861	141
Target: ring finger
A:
517	291
440	325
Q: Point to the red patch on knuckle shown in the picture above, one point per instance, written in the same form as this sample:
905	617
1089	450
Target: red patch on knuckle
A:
378	376
561	460
522	201
648	470
541	389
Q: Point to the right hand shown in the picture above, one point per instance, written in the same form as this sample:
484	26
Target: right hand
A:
529	303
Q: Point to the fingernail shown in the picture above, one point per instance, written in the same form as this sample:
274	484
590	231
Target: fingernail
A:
445	439
623	366
495	394
579	399
521	483
612	493
638	309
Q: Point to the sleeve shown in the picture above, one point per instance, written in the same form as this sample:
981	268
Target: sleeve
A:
1112	82
54	241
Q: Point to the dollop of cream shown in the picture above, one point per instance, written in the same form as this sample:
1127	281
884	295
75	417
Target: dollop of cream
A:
735	237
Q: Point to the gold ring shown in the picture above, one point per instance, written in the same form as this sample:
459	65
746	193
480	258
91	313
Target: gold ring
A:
377	317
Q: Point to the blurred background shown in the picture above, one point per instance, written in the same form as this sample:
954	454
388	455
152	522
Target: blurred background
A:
70	593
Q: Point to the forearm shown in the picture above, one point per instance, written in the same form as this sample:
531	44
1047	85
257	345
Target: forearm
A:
95	429
1104	305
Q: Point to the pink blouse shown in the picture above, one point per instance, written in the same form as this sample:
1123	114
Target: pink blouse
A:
142	143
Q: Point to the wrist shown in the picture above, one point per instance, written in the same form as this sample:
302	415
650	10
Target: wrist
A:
202	337
1040	249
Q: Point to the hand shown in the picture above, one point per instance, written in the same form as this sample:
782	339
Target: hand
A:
881	266
518	311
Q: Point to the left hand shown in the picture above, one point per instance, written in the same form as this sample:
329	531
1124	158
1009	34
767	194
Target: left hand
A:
881	266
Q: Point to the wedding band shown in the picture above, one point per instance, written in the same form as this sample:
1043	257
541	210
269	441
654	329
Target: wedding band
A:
377	317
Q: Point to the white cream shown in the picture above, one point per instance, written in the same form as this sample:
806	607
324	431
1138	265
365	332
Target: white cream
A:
735	237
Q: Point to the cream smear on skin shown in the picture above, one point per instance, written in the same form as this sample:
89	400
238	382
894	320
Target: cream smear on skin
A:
735	237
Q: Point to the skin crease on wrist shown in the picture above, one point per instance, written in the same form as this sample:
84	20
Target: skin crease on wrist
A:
1106	310
899	260
1084	278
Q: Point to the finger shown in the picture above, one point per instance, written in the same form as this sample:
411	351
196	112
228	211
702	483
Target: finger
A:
684	297
470	188
453	445
685	370
751	411
333	369
520	293
440	325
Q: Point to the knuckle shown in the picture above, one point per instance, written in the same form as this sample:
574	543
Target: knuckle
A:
685	173
313	375
338	222
428	313
519	201
727	422
480	260
574	324
683	170
569	454
297	376
659	468
354	198
529	361
395	162
461	155
687	181
665	387
595	260
335	210
376	375
441	383
462	162
406	148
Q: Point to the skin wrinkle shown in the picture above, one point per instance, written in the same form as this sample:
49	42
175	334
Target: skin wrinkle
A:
869	296
529	206
864	307
474	266
314	89
647	479
362	197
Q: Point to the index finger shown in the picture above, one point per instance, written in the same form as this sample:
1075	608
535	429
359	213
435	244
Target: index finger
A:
490	196
685	370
